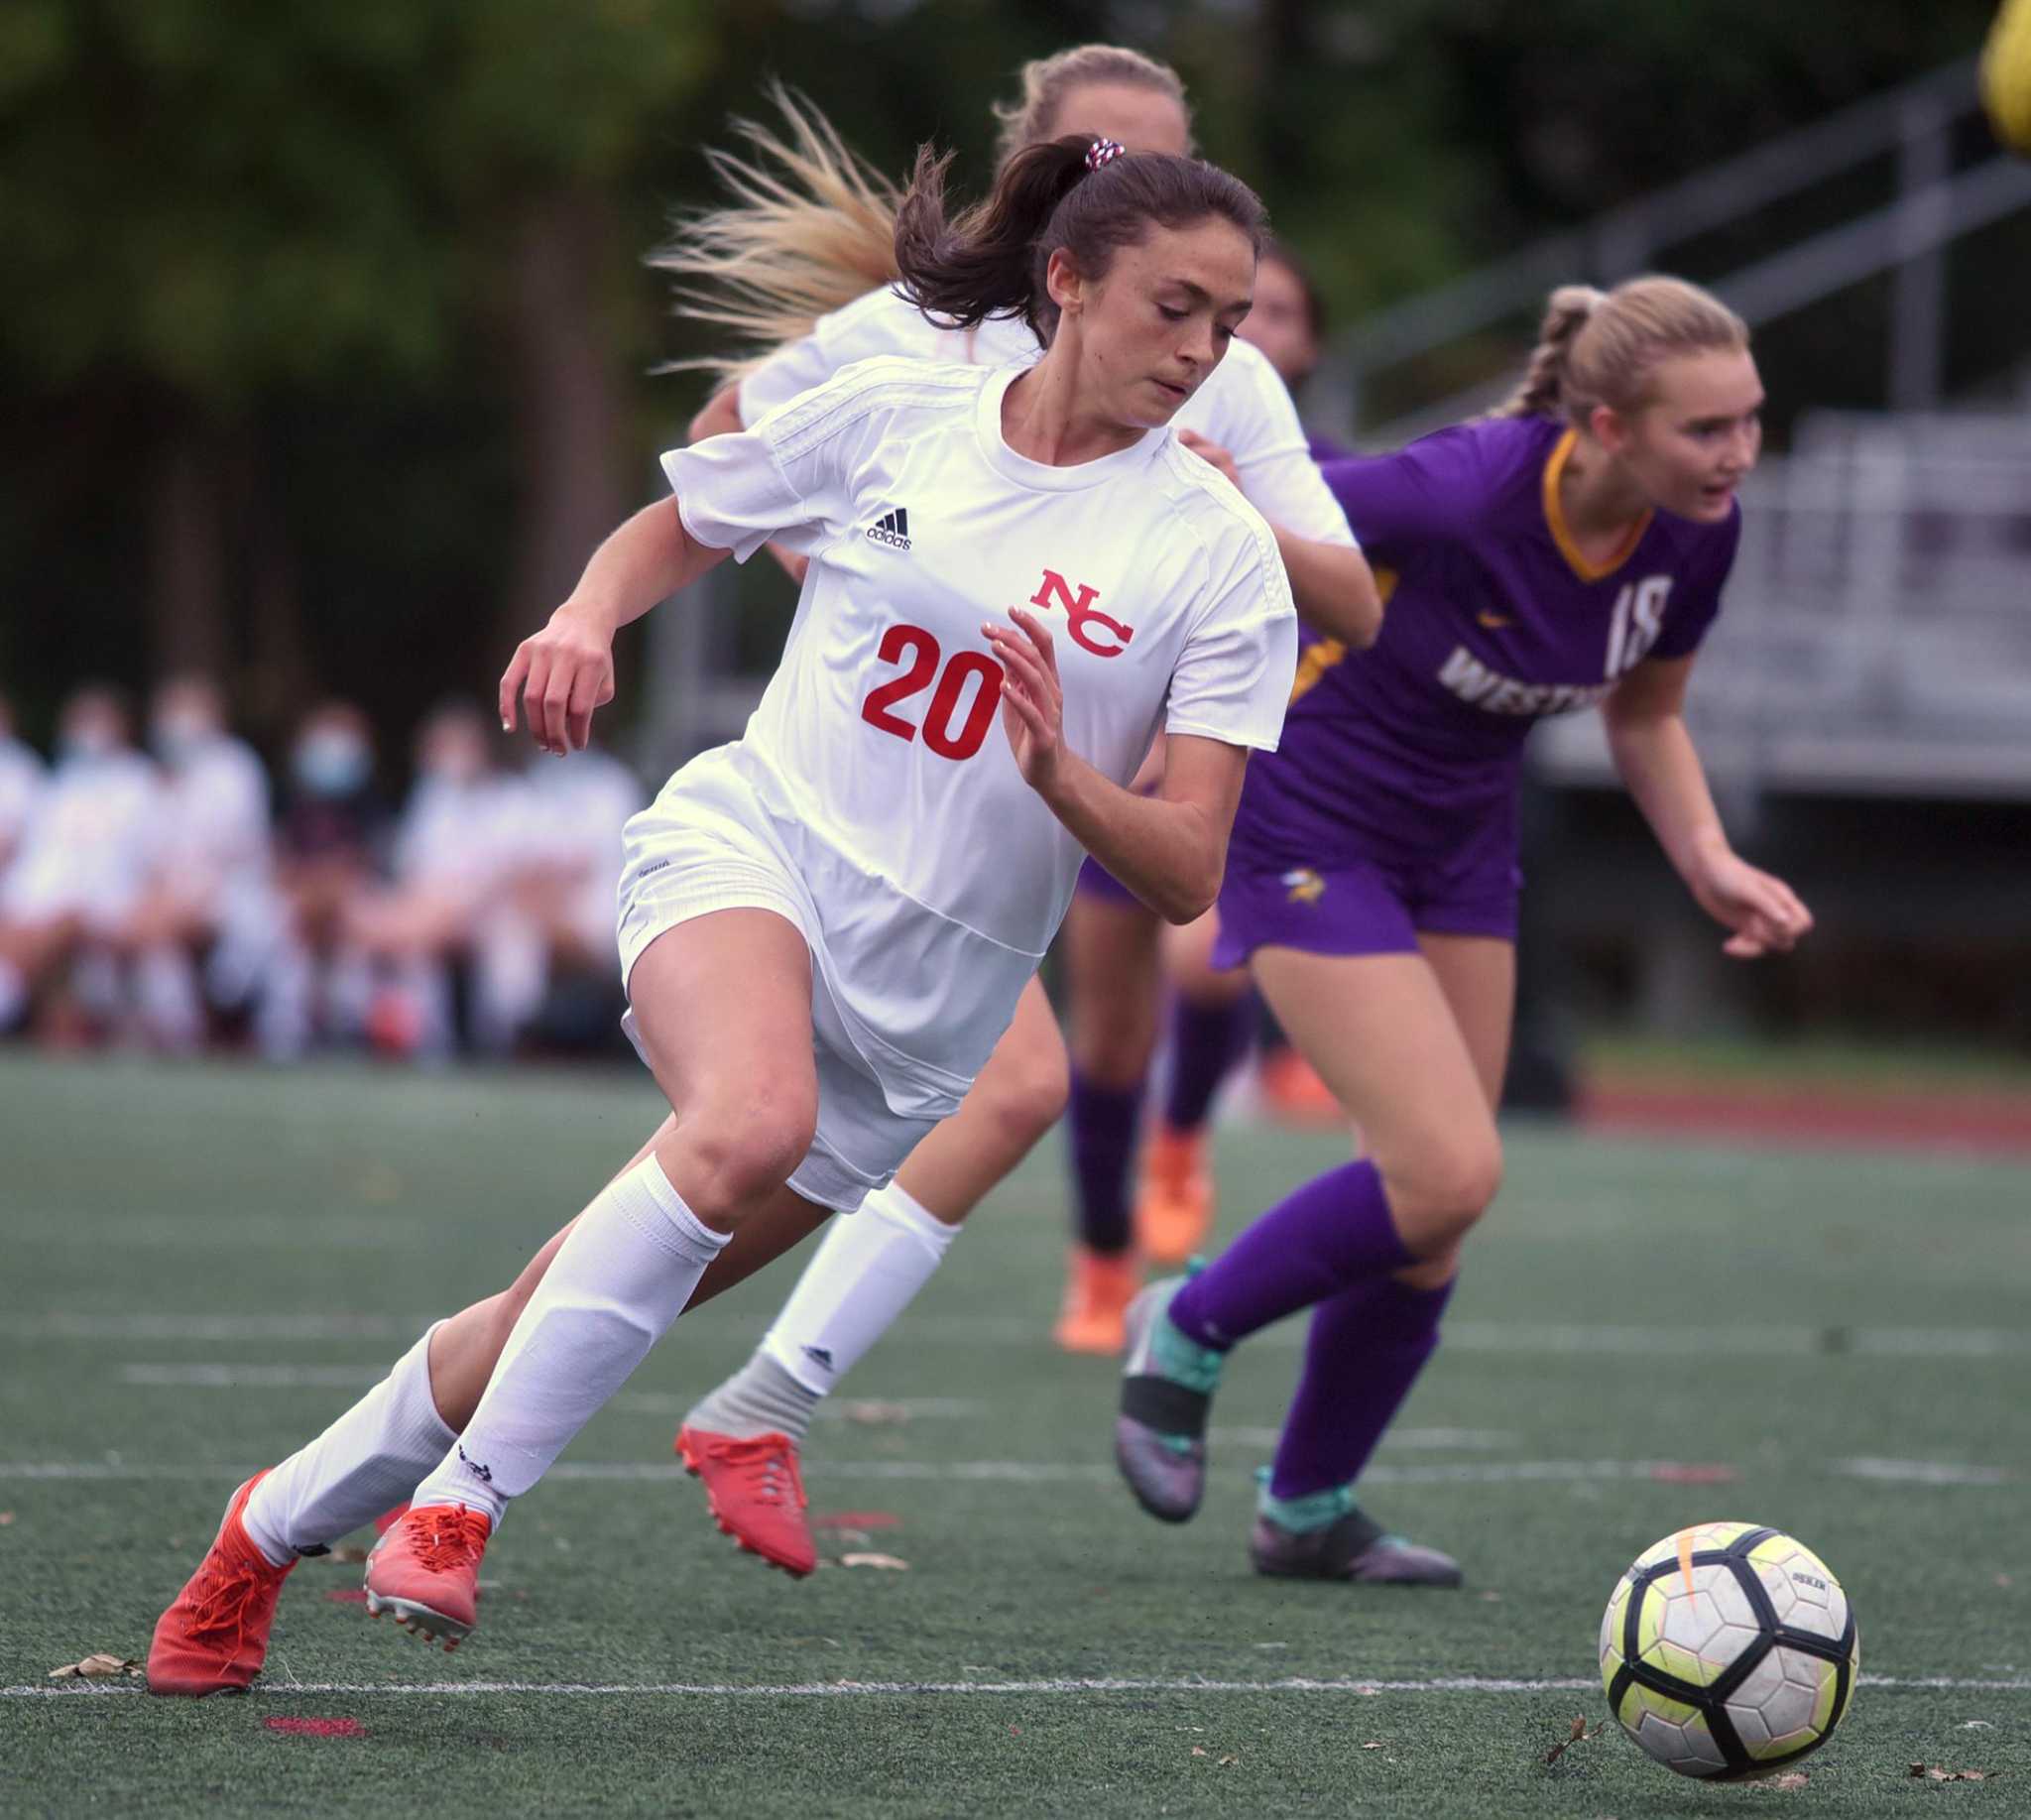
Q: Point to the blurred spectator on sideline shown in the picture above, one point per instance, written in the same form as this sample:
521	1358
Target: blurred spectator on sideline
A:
208	870
23	778
81	871
455	851
550	941
330	849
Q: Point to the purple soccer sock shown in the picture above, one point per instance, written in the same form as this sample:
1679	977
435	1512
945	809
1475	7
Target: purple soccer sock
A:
1327	1237
1366	1348
1206	1042
1106	1124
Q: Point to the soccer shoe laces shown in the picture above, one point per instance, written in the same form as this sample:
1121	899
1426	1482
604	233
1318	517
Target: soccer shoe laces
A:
447	1537
767	1467
230	1590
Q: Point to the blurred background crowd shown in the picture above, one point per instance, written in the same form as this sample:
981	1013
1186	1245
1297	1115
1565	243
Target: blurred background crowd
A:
330	351
160	890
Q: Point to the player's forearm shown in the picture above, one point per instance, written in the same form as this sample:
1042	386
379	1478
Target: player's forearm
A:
648	558
1333	588
1660	766
1169	854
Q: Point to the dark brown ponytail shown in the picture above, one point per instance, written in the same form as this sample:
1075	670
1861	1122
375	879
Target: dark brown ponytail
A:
991	259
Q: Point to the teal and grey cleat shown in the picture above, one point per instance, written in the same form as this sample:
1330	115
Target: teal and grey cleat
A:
1167	1385
1328	1537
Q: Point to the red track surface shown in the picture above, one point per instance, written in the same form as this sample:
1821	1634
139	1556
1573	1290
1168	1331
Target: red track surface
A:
1991	1121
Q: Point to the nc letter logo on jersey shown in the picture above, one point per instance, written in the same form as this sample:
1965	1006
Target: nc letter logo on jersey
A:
1081	616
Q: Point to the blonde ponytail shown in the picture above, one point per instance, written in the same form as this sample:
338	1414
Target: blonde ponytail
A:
808	226
1600	347
1542	389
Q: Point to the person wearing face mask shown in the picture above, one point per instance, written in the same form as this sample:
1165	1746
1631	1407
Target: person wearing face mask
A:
454	849
208	882
23	778
83	862
1568	551
311	983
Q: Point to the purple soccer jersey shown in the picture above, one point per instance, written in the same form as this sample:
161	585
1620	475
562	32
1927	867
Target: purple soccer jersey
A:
1396	776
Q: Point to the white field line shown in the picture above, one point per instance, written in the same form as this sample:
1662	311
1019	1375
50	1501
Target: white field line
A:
1924	1472
803	1690
1532	1338
1054	1472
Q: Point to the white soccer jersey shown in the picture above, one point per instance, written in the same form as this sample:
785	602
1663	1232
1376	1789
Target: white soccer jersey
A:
90	842
879	735
211	821
1244	405
21	781
459	836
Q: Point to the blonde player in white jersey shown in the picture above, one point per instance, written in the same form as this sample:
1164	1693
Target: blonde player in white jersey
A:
825	927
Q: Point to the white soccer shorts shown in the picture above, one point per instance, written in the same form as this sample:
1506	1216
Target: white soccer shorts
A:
704	845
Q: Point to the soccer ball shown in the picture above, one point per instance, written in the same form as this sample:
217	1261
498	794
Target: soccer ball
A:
1727	1652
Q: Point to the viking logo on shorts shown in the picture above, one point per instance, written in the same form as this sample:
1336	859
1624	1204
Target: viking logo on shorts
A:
1081	616
1304	884
891	528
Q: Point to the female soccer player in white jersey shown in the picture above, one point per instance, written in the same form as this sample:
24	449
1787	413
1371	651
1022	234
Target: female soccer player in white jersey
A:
825	927
742	1438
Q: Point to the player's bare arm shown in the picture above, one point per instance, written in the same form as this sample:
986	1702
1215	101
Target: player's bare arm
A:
1170	849
1654	754
566	670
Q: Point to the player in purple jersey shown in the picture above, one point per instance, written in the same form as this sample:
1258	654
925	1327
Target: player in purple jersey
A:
1568	551
1120	961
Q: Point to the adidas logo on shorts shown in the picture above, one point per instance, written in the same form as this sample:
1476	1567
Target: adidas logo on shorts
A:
891	528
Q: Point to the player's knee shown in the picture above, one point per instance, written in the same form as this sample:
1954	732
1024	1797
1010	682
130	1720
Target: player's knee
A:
1440	1196
723	1162
1027	1100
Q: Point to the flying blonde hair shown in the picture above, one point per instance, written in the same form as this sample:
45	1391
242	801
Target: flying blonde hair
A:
809	225
1600	347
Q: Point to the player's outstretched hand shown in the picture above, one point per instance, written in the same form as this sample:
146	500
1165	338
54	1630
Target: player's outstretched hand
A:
1212	453
560	675
1763	911
1032	702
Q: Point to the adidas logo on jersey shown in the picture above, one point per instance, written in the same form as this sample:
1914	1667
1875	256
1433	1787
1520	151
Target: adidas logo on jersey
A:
891	528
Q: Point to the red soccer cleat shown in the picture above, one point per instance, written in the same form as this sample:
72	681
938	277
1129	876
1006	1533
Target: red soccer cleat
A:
755	1494
213	1639
1175	1200
425	1569
1098	1292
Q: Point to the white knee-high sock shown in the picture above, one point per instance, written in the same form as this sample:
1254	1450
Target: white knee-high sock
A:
611	1292
366	1461
869	1269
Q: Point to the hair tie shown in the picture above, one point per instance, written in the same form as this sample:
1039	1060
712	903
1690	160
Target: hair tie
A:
1103	152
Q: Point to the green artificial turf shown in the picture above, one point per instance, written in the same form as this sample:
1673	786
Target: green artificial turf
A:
204	1264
